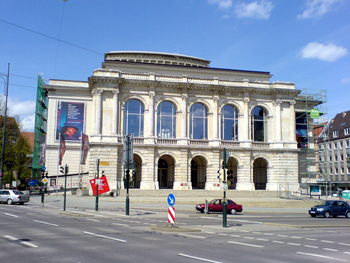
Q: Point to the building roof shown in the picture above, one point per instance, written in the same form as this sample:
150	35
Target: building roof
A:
339	127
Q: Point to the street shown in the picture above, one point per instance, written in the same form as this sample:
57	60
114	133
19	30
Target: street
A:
45	234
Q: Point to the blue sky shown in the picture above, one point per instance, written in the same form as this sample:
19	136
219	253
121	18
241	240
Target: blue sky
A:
302	41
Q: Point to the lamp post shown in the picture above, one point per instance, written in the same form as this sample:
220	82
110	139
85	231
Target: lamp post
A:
6	87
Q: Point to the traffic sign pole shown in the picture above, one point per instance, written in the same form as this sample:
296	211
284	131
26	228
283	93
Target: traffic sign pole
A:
224	204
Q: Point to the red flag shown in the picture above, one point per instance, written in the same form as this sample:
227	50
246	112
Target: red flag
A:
62	149
85	146
103	186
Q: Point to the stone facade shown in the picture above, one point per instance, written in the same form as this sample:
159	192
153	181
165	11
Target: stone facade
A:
262	146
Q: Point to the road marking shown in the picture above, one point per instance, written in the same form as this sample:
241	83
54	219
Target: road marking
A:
296	237
244	244
282	235
222	234
276	241
191	236
10	215
45	223
310	246
262	239
311	239
213	233
235	236
245	231
202	259
320	256
347	253
326	241
343	244
269	234
330	249
20	241
118	224
294	244
256	232
106	237
90	219
249	237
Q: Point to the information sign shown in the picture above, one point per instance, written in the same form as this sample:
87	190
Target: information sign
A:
171	199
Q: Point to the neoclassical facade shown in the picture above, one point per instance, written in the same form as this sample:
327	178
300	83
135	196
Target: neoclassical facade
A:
182	114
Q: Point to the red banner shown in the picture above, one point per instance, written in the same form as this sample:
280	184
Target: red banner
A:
103	186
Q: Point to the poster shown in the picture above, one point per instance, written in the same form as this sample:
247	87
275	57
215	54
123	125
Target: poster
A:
70	120
42	150
103	186
85	146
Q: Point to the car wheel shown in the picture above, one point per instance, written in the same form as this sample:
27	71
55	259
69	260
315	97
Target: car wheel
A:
233	211
327	214
202	211
347	214
9	201
313	215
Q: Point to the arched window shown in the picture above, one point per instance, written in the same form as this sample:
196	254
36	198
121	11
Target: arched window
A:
166	123
198	121
229	123
259	124
133	118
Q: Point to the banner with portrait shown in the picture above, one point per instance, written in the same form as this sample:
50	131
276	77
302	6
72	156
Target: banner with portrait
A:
70	120
85	146
42	150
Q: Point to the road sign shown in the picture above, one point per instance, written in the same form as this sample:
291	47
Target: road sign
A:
32	182
45	180
171	215
171	199
128	148
104	163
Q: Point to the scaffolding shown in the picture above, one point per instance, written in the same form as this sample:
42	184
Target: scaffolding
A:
308	128
40	125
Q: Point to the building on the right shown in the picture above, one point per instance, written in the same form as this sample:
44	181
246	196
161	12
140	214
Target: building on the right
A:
333	154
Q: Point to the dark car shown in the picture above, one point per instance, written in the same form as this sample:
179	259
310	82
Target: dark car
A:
331	208
216	206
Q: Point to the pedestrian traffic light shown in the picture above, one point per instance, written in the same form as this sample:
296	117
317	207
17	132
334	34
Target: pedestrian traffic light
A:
67	169
62	169
127	172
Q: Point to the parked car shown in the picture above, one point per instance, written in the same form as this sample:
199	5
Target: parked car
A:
13	196
331	208
216	206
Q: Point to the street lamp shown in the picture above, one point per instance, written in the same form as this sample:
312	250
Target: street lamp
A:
6	88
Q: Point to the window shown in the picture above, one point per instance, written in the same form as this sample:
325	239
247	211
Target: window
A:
133	118
347	131
166	123
229	123
259	124
198	121
335	134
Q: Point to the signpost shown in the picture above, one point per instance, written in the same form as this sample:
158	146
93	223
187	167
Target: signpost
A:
224	203
128	158
171	209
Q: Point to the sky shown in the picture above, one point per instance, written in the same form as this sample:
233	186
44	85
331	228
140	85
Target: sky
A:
306	42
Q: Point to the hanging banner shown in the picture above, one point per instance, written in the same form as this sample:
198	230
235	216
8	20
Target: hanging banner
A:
85	146
62	149
103	186
70	120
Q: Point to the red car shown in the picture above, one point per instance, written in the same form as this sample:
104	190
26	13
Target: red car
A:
216	206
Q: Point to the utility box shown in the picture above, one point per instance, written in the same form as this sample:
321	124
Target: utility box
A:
346	194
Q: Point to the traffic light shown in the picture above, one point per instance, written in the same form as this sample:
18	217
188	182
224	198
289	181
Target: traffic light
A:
127	172
62	169
134	175
221	174
102	173
67	169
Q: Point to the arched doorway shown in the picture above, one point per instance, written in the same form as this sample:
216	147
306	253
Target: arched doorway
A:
198	172
137	168
260	174
166	172
232	173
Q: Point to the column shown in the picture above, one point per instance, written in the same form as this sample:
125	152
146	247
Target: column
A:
246	124
98	110
184	116
278	121
292	135
215	118
115	111
151	113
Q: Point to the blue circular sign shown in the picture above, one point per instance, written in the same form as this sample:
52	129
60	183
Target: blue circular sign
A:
171	199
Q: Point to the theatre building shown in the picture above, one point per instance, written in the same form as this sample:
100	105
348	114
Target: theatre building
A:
182	114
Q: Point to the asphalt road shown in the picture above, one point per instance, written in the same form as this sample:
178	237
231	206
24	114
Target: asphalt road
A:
33	233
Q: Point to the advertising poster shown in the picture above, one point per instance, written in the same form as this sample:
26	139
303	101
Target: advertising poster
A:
315	190
62	149
70	120
103	186
85	146
42	150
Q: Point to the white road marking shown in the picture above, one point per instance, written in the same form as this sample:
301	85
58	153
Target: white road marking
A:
22	242
269	234
347	253
296	237
262	239
282	235
294	244
320	256
191	236
311	239
249	237
326	241
90	219
244	244
343	244
45	223
222	234
310	246
202	259
235	236
330	249
276	241
106	237
10	215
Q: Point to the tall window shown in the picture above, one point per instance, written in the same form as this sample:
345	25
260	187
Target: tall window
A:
259	124
166	123
198	121
133	118
229	123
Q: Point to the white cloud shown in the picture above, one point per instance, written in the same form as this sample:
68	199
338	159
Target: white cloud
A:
328	52
25	110
317	8
28	123
345	80
258	9
224	4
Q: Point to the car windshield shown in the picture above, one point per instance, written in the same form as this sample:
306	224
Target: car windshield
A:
212	201
17	192
326	203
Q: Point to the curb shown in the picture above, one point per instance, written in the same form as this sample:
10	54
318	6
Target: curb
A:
172	228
